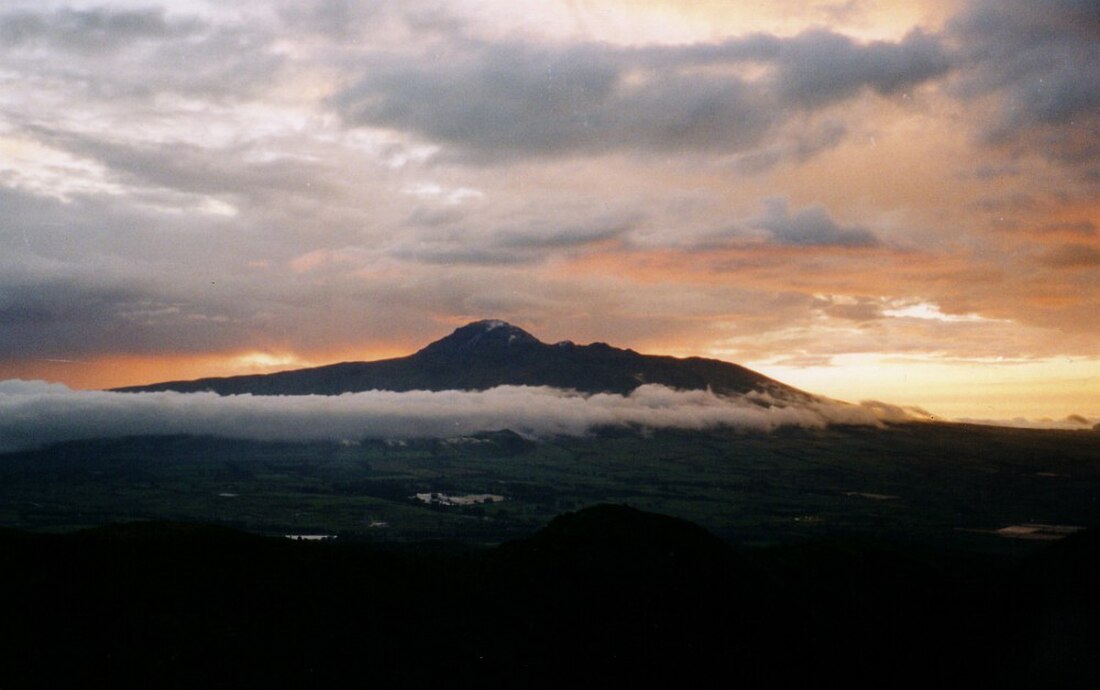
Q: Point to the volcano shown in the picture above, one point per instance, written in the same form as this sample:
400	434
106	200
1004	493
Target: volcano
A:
490	353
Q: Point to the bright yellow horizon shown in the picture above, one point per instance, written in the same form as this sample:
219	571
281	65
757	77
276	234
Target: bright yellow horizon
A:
1050	390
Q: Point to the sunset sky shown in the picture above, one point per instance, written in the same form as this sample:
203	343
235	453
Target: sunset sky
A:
866	199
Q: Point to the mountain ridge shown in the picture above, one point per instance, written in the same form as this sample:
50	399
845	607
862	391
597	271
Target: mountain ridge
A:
489	353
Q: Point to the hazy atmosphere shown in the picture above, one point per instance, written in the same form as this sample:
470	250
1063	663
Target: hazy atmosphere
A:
886	200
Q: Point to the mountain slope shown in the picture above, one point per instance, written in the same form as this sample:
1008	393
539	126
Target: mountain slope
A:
486	354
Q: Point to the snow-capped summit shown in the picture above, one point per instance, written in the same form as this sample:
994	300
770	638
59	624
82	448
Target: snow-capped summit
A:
487	334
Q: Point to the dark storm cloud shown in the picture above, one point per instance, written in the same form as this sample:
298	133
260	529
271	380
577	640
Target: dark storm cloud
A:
811	227
73	315
821	67
88	276
515	99
491	100
55	317
1039	60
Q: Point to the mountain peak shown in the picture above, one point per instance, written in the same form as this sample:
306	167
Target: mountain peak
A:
480	335
490	353
487	325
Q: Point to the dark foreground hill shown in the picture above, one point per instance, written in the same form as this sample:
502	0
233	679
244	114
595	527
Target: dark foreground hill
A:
607	597
486	354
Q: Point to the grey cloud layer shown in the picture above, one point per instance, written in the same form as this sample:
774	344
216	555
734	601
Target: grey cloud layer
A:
90	30
33	413
1039	60
520	99
104	54
809	227
493	100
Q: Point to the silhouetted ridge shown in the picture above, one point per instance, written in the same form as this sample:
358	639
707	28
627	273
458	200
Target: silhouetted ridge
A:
618	540
605	597
490	353
606	532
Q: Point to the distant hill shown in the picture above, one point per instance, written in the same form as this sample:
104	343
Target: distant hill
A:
486	354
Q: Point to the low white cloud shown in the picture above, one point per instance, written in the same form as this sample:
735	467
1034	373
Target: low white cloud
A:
1073	422
34	413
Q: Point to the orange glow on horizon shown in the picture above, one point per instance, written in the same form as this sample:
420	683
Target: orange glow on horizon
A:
114	371
982	389
1036	389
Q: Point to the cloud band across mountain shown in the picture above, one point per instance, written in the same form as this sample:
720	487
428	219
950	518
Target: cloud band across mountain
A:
34	413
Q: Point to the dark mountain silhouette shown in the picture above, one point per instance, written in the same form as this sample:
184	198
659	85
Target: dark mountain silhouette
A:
605	597
490	353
